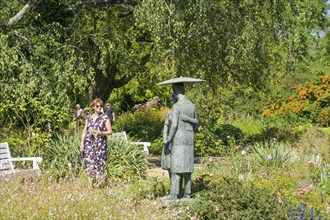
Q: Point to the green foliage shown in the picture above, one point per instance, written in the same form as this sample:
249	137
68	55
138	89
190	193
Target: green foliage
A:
62	157
208	144
314	172
153	188
156	147
274	155
143	124
125	161
249	126
229	198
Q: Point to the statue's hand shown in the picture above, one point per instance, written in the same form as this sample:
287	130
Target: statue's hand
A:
167	142
184	117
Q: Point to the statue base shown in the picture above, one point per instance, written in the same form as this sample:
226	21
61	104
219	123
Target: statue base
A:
168	200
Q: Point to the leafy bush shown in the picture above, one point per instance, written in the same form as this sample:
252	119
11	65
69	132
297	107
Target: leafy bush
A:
228	198
208	144
229	134
309	103
125	161
156	147
143	124
249	126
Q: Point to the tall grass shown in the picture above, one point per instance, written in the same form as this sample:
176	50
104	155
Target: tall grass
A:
44	199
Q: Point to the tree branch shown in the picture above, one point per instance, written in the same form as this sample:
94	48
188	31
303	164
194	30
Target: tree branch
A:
25	40
22	12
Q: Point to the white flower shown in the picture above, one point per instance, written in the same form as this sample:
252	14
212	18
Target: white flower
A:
243	152
269	157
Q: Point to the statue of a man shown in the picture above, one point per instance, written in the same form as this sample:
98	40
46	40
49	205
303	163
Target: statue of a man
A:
178	141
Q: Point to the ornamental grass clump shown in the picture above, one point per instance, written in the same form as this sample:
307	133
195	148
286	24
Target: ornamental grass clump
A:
62	157
277	155
125	161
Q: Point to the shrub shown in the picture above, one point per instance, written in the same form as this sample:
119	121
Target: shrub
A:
228	198
143	124
156	147
308	102
208	144
125	161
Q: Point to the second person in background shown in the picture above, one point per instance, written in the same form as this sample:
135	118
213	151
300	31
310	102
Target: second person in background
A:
109	111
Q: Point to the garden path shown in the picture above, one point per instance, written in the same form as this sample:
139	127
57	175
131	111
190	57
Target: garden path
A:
156	171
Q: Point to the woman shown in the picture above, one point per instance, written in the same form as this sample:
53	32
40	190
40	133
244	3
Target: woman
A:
94	141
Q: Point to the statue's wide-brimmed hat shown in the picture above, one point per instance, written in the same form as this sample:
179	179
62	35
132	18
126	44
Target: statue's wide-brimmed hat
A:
180	79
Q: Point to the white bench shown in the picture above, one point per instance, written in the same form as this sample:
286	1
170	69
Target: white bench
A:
122	135
7	165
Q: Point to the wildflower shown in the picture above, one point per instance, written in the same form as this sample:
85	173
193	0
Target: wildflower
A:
199	179
300	192
194	217
269	157
211	174
211	159
310	163
263	174
228	136
243	152
311	186
200	129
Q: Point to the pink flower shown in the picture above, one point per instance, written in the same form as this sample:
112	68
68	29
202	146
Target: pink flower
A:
300	192
269	157
263	174
200	129
211	174
194	217
311	187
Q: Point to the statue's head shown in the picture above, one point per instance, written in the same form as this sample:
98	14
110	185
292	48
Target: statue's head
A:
178	88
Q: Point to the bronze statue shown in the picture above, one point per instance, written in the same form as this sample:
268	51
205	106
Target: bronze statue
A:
178	143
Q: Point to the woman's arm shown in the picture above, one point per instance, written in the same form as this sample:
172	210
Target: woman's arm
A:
109	128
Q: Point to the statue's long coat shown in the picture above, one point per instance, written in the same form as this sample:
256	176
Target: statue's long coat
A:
182	135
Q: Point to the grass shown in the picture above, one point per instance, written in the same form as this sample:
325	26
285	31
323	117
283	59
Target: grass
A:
72	199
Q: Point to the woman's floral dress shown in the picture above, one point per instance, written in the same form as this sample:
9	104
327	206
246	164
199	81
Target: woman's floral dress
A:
95	149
